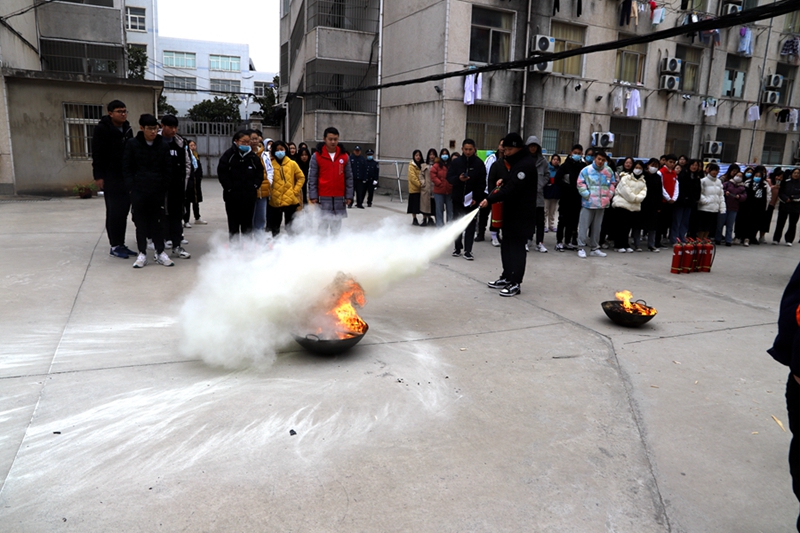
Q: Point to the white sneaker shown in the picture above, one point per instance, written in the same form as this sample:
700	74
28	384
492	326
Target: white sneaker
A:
630	250
788	244
141	261
621	250
582	254
163	259
528	248
150	245
184	241
167	244
187	225
200	222
180	252
597	253
495	242
540	248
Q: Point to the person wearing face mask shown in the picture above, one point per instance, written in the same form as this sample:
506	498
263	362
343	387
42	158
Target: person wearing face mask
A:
670	189
651	205
774	184
627	202
752	211
569	204
550	193
442	189
789	207
415	183
241	173
286	190
735	194
261	210
373	172
359	165
711	204
596	184
181	171
688	196
483	215
535	148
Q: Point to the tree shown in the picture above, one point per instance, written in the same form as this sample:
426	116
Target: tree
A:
137	62
268	101
164	108
218	110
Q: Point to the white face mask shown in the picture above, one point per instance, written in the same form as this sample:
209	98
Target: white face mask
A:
652	170
637	171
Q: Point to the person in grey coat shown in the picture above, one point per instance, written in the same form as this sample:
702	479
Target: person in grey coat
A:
543	173
330	182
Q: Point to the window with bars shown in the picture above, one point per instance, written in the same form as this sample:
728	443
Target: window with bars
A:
180	59
560	132
690	67
626	136
135	19
789	73
735	75
630	61
326	75
81	58
679	139
180	83
284	63
490	38
225	63
226	86
359	15
792	24
568	37
729	137
695	5
79	123
487	124
772	153
260	88
749	4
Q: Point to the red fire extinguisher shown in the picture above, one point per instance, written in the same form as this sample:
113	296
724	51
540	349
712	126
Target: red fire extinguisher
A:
688	258
677	257
708	256
700	253
497	215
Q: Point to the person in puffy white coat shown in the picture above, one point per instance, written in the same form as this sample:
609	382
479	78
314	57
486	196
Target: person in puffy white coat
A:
627	204
711	204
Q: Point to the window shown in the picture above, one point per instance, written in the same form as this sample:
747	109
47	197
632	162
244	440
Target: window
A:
749	4
695	5
486	124
772	154
735	72
679	139
327	75
225	86
178	83
626	136
82	58
490	40
260	88
568	37
284	63
79	123
729	137
359	15
789	74
101	3
180	59
690	68
630	61
792	22
135	19
226	63
560	132
285	4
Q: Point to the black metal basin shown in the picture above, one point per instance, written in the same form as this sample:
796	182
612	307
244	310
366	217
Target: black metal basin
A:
313	343
620	316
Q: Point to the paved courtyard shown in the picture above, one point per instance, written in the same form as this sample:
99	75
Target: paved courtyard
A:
460	411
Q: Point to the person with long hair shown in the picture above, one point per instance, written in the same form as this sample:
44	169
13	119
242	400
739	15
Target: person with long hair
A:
414	185
241	174
286	191
194	190
752	211
627	207
789	207
442	189
303	159
430	159
688	196
774	181
651	205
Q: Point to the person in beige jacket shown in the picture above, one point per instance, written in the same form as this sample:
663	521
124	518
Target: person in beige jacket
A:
418	172
627	204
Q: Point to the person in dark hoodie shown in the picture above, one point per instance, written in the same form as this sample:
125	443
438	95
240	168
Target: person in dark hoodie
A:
146	169
108	145
303	159
786	350
688	196
180	172
240	173
518	191
569	206
467	175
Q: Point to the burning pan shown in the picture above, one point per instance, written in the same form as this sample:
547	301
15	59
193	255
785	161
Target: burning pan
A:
618	315
314	344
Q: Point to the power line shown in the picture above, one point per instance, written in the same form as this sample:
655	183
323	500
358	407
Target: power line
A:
26	9
778	8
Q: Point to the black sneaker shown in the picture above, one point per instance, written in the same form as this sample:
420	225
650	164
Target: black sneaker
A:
129	251
118	251
480	237
501	283
456	253
468	256
510	290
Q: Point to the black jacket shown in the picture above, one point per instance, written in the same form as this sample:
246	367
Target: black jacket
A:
373	172
652	201
688	189
789	194
240	175
518	194
146	168
567	182
756	196
496	172
359	166
180	171
108	146
476	184
786	348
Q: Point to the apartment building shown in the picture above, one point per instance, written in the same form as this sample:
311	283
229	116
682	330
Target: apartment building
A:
695	92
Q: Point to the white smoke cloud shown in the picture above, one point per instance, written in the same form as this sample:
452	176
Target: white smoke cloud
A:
250	298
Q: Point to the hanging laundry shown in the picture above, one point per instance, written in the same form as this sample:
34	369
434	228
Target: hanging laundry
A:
783	116
556	7
618	101
794	118
753	114
791	47
711	110
625	12
745	41
634	103
658	16
580	7
635	12
473	88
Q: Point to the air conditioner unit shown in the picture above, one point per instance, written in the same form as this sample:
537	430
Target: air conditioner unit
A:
771	97
670	83
707	160
730	9
775	81
670	65
713	148
542	68
543	43
602	139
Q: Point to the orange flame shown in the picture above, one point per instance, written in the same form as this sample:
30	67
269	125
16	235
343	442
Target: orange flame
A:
633	308
347	320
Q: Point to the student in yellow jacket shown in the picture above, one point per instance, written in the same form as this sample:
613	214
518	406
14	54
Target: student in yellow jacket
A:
286	192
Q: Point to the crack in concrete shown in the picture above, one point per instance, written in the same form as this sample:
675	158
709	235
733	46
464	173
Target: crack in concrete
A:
693	333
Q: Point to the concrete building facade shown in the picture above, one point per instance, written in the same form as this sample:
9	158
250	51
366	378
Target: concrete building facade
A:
324	41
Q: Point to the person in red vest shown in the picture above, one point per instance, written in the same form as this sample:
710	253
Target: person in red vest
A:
669	191
330	182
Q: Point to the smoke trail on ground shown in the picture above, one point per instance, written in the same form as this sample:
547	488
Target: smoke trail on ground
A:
251	297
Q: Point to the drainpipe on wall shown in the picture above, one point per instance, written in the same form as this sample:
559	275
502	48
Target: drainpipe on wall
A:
760	92
444	71
525	75
380	76
155	37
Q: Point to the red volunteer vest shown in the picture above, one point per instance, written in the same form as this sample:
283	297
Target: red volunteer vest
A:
331	173
668	180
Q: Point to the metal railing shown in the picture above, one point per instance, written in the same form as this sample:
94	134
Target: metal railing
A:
82	58
359	15
397	166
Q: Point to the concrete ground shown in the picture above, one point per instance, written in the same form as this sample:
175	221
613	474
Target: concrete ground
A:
460	410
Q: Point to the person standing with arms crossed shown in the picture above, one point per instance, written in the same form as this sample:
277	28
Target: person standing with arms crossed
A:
330	182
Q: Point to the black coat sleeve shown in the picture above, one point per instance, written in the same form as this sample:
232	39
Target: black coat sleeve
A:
100	152
224	170
128	164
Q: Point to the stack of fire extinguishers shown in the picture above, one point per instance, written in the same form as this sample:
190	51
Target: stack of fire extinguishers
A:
694	255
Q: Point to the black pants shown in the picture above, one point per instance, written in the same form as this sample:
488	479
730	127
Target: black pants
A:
147	215
567	223
469	233
361	192
539	225
793	407
191	202
513	255
278	214
664	221
483	219
118	205
240	214
625	222
782	216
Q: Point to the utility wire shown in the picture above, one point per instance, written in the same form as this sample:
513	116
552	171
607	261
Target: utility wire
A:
778	8
26	9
